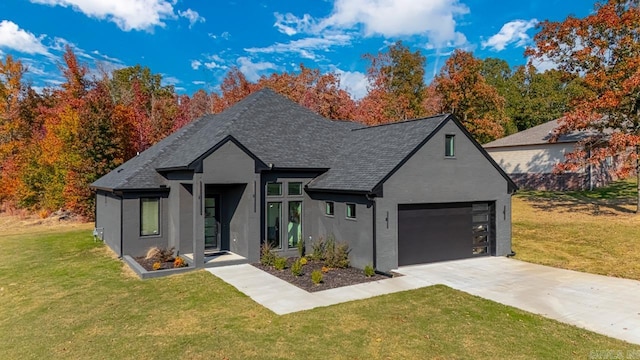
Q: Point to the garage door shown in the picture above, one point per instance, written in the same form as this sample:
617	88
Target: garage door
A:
439	232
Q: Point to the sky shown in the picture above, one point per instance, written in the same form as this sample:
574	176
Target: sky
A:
194	43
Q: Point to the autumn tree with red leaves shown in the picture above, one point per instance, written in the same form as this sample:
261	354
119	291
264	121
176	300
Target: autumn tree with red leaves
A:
466	94
604	49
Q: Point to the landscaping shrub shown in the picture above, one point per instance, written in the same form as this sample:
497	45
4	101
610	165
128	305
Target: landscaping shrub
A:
336	255
325	269
317	249
280	263
157	265
296	268
303	260
267	256
300	246
316	277
369	271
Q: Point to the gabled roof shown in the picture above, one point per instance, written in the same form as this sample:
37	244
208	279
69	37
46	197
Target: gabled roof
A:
371	153
537	135
282	134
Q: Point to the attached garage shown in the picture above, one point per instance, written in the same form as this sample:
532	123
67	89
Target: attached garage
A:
439	232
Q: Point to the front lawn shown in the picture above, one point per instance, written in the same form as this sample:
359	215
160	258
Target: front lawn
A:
596	232
64	296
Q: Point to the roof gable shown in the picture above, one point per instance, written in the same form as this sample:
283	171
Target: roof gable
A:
541	134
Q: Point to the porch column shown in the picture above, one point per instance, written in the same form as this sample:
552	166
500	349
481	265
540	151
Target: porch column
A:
198	220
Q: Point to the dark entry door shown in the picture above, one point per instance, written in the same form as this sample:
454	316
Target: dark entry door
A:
212	222
439	232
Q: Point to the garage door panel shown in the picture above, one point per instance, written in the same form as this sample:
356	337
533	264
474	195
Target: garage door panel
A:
430	233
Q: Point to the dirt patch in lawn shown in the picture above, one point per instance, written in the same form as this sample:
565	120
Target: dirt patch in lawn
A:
334	278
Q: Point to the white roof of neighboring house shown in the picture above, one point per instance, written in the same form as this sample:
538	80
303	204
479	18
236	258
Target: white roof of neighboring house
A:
536	135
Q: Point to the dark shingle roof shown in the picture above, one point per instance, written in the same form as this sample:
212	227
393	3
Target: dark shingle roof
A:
280	132
369	154
536	135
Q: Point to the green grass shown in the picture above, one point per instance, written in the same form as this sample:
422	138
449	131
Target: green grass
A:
594	232
64	296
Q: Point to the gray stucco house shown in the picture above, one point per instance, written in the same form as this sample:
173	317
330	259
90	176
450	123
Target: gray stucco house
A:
530	157
268	169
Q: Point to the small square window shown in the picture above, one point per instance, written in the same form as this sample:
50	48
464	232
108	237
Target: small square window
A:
351	211
294	188
274	189
449	145
329	208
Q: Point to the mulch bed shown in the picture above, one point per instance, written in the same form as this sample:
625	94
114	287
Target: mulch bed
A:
147	264
333	279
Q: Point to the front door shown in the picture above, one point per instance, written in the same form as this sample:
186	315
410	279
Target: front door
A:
212	222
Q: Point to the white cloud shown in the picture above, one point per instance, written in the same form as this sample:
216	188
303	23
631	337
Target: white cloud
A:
543	64
170	80
192	16
353	82
106	57
305	47
126	14
195	64
213	65
198	82
225	35
252	70
434	19
290	24
14	38
512	32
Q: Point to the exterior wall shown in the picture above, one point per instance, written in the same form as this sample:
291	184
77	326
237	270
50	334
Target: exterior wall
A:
357	233
429	177
234	169
185	232
539	159
132	243
108	217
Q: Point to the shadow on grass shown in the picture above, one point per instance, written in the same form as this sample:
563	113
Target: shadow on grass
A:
616	199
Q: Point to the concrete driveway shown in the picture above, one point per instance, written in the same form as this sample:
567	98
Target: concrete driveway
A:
606	305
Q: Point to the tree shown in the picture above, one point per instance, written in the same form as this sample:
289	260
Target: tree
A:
396	86
466	94
602	48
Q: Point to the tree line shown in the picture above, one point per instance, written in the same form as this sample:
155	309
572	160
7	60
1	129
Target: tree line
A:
54	143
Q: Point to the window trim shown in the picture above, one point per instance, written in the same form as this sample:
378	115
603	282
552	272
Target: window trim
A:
450	144
346	212
159	217
328	204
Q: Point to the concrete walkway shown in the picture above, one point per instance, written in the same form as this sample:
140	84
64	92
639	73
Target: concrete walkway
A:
609	306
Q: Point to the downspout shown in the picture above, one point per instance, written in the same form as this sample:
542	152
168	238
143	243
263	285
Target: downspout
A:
375	219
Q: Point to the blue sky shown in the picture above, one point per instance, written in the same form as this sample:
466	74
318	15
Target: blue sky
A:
194	43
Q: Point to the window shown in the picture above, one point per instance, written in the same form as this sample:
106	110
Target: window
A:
449	145
149	216
294	188
274	189
328	210
351	211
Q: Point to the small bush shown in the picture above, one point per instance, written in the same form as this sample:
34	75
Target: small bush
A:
156	265
325	269
369	271
336	255
300	246
317	249
267	256
316	277
303	260
296	268
179	262
280	263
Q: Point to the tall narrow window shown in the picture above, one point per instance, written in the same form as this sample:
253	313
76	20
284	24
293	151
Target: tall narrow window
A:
329	208
294	227
351	211
274	222
149	216
449	145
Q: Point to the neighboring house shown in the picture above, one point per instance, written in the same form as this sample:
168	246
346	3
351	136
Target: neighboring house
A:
529	157
270	170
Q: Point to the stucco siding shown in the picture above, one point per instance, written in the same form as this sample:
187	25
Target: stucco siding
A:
133	243
539	159
430	177
108	217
